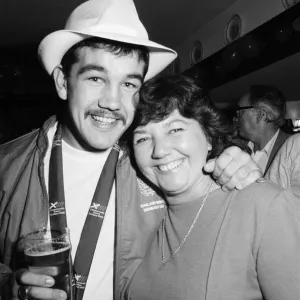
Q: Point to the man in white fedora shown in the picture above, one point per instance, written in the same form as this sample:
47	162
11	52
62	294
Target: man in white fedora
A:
70	172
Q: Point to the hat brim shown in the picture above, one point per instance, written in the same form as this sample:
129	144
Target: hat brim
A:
55	45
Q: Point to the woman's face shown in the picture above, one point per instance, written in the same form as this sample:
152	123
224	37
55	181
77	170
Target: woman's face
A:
172	153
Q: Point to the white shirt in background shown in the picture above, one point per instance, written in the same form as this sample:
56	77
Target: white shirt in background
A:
261	157
285	168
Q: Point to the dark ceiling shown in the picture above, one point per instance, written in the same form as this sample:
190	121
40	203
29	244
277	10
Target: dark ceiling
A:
167	21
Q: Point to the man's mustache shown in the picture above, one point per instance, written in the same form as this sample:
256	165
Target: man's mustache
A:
106	114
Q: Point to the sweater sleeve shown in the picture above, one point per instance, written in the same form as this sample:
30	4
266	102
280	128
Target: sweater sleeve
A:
278	260
285	169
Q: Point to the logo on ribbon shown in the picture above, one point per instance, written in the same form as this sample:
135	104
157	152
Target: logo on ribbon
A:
57	208
97	210
56	143
79	281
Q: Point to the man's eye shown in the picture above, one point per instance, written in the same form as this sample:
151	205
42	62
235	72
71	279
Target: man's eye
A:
95	79
130	85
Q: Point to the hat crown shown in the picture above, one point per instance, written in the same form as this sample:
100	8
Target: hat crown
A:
115	20
111	16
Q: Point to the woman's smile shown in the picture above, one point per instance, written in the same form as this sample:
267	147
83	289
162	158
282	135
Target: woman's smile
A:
171	166
171	153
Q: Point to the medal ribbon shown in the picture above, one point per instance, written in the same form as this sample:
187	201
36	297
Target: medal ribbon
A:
93	223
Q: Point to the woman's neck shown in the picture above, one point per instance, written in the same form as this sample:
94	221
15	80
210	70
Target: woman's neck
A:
201	188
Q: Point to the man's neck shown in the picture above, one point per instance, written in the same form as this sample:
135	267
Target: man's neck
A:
263	139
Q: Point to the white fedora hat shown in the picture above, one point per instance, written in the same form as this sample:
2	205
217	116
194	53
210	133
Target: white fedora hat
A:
110	19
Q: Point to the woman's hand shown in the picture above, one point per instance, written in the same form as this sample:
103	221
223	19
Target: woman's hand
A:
234	168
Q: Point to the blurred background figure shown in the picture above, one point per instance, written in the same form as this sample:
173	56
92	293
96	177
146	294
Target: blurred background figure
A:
260	115
285	168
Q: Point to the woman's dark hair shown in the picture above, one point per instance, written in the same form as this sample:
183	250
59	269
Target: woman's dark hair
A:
161	96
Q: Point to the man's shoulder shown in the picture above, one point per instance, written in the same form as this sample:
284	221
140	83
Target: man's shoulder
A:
293	141
20	142
27	141
290	147
282	136
15	151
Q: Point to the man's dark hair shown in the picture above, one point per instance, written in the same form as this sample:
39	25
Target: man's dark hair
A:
271	100
114	47
161	96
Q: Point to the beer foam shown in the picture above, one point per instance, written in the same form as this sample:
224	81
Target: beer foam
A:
33	251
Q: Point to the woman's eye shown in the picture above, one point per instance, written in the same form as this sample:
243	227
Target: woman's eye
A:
140	140
176	130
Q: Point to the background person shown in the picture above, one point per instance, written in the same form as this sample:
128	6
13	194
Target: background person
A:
210	245
285	168
260	114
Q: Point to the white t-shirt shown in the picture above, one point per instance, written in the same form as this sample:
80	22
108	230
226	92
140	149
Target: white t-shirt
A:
81	173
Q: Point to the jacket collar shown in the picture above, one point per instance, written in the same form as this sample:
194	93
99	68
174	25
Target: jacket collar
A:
42	140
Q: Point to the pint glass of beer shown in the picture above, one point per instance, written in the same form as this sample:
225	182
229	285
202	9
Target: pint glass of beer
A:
47	252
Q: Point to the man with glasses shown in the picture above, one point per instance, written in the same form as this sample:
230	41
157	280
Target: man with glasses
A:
260	114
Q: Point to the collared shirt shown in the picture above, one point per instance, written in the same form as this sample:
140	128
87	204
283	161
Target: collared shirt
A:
285	168
261	157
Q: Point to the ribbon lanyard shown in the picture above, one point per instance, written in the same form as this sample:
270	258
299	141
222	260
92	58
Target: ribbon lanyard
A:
93	223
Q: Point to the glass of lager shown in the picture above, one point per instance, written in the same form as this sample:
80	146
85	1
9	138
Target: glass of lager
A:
48	251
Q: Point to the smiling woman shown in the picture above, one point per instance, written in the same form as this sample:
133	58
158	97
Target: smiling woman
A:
210	242
172	153
178	129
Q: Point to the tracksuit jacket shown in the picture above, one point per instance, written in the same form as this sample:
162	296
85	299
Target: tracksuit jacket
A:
24	206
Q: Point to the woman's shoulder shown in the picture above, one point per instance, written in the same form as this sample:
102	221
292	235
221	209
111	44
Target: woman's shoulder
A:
261	187
263	194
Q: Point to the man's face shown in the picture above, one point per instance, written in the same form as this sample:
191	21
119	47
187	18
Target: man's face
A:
246	118
101	91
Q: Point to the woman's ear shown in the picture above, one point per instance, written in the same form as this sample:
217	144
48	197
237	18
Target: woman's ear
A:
60	81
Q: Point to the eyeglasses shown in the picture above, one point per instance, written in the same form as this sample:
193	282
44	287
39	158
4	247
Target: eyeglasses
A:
239	110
